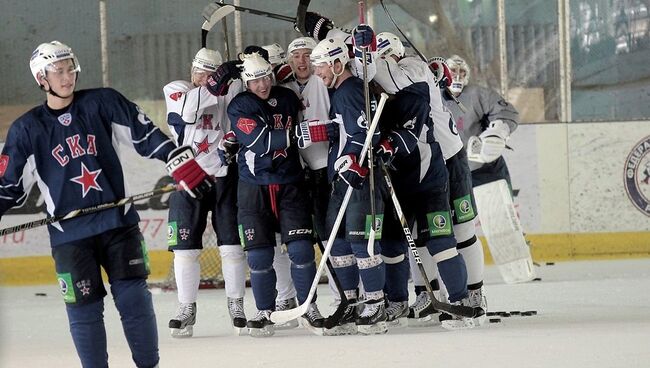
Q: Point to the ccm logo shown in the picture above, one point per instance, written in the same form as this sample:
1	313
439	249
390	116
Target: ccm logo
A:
300	232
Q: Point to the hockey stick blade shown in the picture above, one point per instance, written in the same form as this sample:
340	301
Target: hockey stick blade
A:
301	13
284	316
213	15
262	13
334	319
89	210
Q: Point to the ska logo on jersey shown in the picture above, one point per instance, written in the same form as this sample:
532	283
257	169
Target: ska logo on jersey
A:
176	96
65	119
4	163
246	125
273	102
87	180
637	175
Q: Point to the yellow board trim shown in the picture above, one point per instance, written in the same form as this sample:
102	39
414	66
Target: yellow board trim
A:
38	270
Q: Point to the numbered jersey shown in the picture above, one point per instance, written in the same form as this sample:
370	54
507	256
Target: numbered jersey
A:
73	155
316	101
198	119
394	76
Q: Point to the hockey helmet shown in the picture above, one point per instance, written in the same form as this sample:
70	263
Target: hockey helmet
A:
388	44
49	53
301	43
276	54
460	73
254	66
207	59
329	50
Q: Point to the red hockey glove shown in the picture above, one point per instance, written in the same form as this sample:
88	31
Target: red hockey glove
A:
350	171
283	73
385	150
228	147
182	166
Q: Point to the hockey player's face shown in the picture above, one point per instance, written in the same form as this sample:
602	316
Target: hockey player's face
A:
60	77
199	77
261	87
324	72
300	63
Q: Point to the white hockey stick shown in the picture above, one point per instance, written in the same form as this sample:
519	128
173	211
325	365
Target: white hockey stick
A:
284	316
212	14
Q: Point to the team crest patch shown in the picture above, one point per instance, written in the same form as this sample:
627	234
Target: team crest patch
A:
439	223
65	119
637	176
172	234
65	284
273	102
463	209
4	163
379	221
84	287
176	96
246	125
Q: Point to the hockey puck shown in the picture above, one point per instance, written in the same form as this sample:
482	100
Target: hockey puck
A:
515	313
40	294
550	263
504	314
537	279
529	313
495	320
489	314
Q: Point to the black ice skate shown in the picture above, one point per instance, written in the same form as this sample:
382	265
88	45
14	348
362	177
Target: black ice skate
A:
347	324
373	318
313	320
422	313
396	313
237	316
261	325
450	322
477	299
286	304
182	324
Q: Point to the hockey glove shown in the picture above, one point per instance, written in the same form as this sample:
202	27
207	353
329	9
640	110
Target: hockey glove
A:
250	49
385	151
441	71
364	36
309	132
182	166
316	26
219	81
350	171
488	146
283	73
228	147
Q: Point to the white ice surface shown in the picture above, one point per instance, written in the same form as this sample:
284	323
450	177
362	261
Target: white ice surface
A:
589	314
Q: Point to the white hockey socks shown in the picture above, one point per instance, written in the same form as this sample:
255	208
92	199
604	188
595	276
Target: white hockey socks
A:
429	266
187	271
233	268
470	247
282	266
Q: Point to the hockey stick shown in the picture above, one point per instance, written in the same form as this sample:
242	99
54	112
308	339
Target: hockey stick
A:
300	16
459	310
226	43
335	317
263	13
284	316
89	210
460	104
213	14
371	179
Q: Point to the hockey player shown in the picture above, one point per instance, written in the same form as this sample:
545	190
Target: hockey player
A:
396	72
271	196
70	147
349	254
196	114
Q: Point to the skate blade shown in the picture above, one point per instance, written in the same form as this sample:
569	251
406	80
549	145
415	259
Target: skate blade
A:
181	333
287	325
240	331
458	324
315	330
346	329
426	321
267	331
398	322
376	329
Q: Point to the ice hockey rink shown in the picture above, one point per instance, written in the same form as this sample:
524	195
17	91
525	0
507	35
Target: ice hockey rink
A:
589	314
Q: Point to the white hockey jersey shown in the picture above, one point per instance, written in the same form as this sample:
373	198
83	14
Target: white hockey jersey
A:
315	99
394	76
199	119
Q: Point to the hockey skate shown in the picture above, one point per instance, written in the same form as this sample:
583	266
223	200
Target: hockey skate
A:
347	324
396	313
313	320
372	321
237	316
182	325
450	322
422	313
261	325
285	304
477	299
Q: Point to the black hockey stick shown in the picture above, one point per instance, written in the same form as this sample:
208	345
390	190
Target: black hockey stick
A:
335	317
212	15
264	13
458	310
424	58
300	16
89	210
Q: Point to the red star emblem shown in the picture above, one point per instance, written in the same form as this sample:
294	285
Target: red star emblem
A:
85	290
88	180
202	146
280	153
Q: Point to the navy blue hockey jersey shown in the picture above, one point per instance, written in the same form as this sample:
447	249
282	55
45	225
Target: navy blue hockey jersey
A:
418	159
262	128
73	156
348	110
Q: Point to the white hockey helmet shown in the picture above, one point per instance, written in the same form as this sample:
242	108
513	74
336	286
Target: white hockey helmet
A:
388	44
460	73
329	50
301	43
49	53
276	54
207	59
254	66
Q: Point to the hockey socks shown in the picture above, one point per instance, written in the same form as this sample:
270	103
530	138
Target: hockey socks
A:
187	271
372	270
260	261
233	267
88	333
303	267
397	270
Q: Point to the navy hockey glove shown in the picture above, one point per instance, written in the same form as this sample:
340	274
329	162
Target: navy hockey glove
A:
219	81
385	151
182	166
309	132
283	73
228	147
364	36
316	26
440	69
350	171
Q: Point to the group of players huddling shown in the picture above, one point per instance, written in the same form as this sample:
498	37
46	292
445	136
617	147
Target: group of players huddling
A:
268	144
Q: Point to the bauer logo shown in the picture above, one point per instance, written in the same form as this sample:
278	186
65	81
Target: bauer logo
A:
637	175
